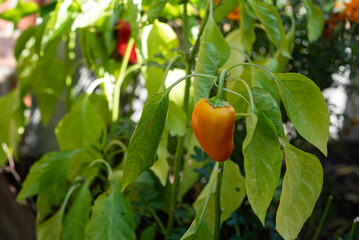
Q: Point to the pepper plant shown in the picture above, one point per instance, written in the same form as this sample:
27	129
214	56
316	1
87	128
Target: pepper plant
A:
108	181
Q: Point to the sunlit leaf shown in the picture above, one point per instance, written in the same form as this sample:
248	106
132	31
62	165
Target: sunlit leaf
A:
161	42
305	107
81	127
302	185
177	120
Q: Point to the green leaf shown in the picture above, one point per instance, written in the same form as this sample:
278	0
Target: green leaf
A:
302	185
97	10
78	214
246	27
112	217
48	80
21	10
262	162
47	179
236	53
269	106
52	228
177	120
198	229
141	153
155	10
232	194
82	127
148	233
161	42
305	108
161	167
10	122
316	21
213	53
80	165
273	26
221	11
99	103
264	80
22	41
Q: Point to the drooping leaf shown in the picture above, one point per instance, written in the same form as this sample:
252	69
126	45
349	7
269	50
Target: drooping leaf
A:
177	120
213	53
262	162
316	21
161	42
82	127
269	17
302	185
48	180
247	36
146	138
305	108
78	214
112	217
232	194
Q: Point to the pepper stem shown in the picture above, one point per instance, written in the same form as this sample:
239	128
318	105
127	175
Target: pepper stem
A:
218	101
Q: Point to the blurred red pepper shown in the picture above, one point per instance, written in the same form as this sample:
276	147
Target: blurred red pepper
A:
123	35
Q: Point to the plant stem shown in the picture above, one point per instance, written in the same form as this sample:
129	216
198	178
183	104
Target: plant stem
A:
217	230
158	220
354	233
196	45
219	96
327	206
179	150
121	77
